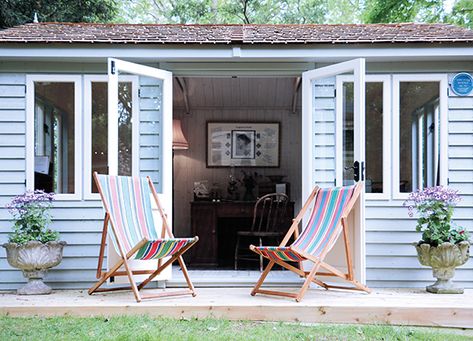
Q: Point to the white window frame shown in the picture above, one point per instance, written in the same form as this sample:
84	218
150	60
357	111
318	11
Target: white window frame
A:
88	79
30	133
378	78
443	126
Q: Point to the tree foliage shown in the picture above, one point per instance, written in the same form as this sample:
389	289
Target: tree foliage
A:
17	12
388	11
296	11
240	11
460	12
392	11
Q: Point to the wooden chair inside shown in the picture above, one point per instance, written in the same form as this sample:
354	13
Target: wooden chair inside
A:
268	215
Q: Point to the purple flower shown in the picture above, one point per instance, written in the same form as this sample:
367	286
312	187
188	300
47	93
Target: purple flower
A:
37	198
430	196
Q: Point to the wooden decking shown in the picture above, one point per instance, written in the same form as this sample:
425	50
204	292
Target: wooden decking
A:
387	306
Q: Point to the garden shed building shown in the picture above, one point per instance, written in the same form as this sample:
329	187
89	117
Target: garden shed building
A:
285	106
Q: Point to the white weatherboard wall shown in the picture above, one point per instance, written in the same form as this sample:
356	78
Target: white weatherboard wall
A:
391	259
79	222
324	132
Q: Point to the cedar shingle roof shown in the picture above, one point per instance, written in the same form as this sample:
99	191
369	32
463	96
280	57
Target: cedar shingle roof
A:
234	34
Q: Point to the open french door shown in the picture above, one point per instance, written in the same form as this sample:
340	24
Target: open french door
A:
158	103
329	141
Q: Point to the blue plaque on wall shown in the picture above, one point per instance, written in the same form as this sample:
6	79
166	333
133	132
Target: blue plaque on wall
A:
462	84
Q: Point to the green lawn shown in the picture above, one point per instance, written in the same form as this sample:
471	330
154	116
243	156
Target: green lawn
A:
146	328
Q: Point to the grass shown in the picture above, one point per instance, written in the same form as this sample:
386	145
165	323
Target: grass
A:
147	328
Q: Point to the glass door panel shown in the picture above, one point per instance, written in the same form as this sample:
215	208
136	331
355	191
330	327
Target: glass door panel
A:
374	135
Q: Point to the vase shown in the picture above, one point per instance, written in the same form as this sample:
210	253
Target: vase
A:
34	259
443	259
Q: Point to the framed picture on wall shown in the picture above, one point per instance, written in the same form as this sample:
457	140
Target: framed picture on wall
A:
243	144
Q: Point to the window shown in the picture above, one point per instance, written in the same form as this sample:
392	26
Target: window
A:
53	135
419	127
96	129
377	122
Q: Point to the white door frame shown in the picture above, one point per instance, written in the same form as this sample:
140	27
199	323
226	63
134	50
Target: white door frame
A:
357	68
115	66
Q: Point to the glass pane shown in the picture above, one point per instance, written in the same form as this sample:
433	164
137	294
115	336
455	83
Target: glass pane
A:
54	137
100	129
348	137
418	121
374	135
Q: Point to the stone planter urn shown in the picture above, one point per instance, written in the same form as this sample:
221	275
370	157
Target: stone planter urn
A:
443	259
34	259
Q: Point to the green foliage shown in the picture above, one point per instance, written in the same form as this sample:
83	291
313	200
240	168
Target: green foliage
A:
295	11
436	225
430	11
240	11
148	328
17	12
31	212
462	13
435	207
392	11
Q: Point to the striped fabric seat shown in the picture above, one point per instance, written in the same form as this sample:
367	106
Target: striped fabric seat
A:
128	199
326	214
155	249
279	253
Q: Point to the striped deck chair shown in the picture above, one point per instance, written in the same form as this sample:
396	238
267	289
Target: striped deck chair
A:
327	221
128	211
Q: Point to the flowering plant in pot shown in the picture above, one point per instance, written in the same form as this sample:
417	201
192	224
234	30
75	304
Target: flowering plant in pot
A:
444	245
33	247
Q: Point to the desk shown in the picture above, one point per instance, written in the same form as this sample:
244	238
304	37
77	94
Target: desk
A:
209	219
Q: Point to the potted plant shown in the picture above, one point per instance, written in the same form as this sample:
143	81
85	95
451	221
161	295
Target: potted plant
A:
444	246
33	247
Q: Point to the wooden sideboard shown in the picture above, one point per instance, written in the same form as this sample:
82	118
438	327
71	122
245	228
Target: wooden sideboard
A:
216	223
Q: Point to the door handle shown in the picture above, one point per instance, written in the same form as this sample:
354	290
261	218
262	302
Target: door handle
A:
358	170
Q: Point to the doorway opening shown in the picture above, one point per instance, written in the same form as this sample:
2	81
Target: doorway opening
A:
216	181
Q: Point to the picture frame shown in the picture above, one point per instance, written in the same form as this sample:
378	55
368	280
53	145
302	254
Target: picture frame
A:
243	144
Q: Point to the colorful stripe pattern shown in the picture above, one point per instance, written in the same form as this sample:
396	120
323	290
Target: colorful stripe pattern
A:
128	200
279	253
155	249
326	216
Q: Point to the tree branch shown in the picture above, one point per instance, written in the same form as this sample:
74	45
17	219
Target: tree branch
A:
245	8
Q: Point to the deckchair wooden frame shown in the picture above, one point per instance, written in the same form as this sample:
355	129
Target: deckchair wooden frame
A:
114	271
318	261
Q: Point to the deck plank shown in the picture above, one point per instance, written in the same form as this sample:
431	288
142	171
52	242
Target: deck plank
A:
384	306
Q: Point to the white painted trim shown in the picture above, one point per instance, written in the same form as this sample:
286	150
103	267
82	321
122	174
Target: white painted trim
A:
87	141
443	113
357	67
135	124
30	103
375	78
303	52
